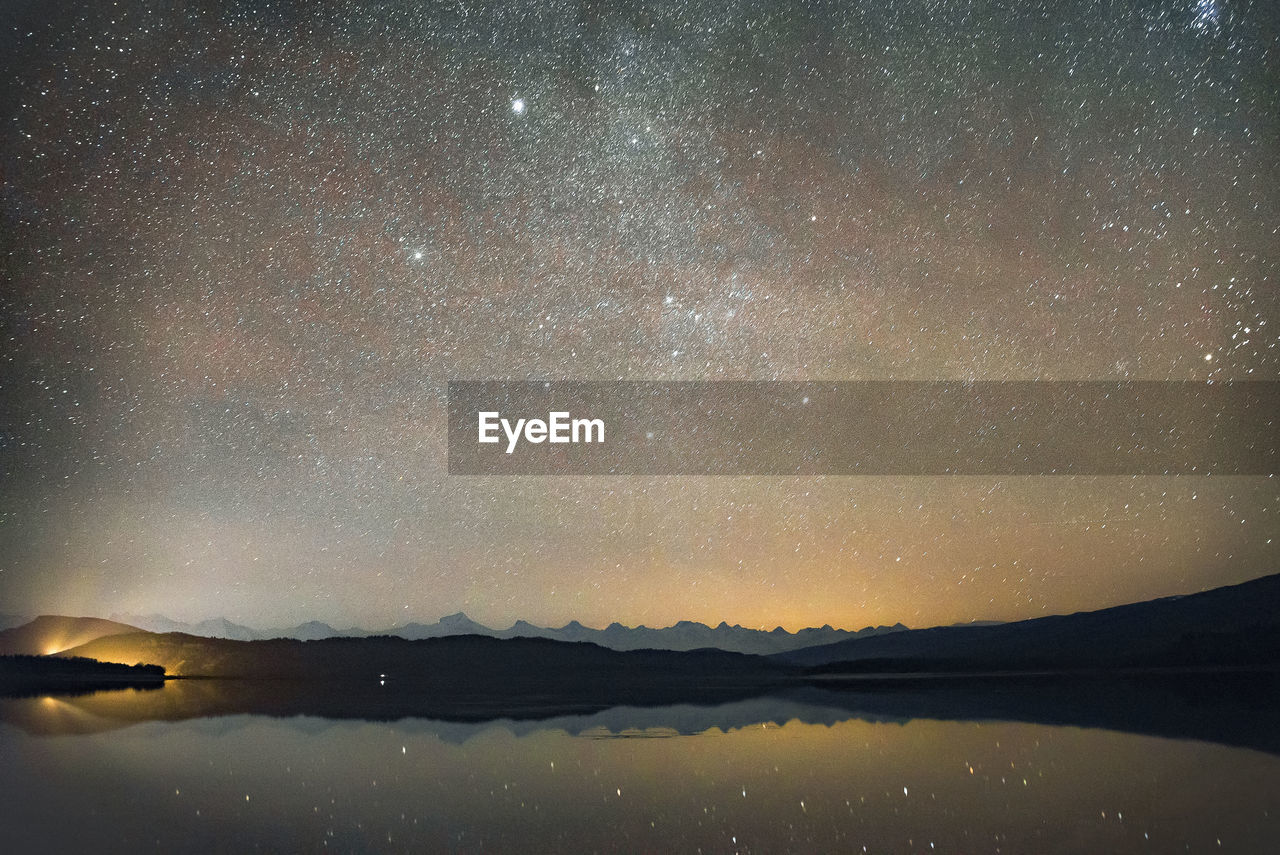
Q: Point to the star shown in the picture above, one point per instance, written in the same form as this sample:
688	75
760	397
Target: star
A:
295	244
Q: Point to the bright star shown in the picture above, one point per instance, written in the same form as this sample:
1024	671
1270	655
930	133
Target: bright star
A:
517	106
1207	13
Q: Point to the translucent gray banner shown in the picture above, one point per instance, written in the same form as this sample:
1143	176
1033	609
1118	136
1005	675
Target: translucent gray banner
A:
863	428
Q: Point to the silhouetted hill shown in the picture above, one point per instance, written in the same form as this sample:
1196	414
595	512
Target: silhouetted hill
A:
223	628
455	624
451	663
691	635
212	628
312	630
1237	625
54	633
685	635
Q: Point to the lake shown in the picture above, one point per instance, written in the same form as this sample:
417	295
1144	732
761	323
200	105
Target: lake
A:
132	770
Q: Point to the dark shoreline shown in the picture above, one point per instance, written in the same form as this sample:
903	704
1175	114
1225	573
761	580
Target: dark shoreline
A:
22	676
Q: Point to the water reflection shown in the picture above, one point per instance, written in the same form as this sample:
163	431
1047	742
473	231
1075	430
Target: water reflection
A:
764	775
1233	709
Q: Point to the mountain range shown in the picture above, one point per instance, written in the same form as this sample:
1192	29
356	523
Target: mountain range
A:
685	635
1237	626
1202	666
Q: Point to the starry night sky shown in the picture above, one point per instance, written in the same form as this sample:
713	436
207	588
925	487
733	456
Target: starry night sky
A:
245	246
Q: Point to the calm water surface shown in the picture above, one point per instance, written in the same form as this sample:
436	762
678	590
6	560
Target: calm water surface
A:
769	777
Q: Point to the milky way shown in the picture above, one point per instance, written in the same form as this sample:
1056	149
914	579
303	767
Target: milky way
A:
246	245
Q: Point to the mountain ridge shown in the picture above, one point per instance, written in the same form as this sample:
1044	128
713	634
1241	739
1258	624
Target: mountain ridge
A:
50	634
683	635
1230	625
466	663
1235	626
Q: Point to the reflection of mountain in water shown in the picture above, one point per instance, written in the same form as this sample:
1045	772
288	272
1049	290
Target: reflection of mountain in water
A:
1234	709
1106	673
